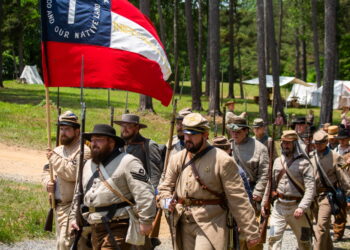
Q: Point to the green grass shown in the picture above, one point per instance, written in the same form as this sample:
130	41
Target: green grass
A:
23	115
23	210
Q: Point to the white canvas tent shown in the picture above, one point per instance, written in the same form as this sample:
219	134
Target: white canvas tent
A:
284	80
302	93
341	95
31	75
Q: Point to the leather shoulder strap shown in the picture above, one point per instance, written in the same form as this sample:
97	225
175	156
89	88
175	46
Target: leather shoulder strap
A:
103	172
295	182
196	157
202	184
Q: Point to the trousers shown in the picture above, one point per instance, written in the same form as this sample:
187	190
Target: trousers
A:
283	215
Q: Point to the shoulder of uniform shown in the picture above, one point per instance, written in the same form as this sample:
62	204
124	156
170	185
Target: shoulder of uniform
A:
58	149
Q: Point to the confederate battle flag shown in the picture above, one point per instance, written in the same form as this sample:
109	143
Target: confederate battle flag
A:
120	47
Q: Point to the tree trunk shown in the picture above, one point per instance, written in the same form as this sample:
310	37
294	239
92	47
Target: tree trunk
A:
191	51
280	29
315	42
263	93
303	55
176	51
240	70
278	105
200	42
326	112
1	36
15	73
20	41
161	22
145	101
207	68
267	51
297	54
214	33
231	92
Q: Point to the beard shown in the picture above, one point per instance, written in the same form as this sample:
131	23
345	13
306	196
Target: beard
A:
181	137
65	140
126	137
99	154
193	148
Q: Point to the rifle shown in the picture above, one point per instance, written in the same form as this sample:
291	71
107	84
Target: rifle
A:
215	126
266	205
49	218
112	115
224	121
233	242
58	127
156	223
126	110
79	218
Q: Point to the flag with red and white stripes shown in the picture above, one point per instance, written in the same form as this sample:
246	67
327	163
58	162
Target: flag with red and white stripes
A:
120	47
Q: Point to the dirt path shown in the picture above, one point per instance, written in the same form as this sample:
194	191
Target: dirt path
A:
21	163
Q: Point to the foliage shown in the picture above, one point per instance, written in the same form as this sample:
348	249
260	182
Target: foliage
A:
23	120
23	217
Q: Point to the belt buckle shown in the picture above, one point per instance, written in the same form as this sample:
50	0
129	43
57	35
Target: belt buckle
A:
188	202
92	209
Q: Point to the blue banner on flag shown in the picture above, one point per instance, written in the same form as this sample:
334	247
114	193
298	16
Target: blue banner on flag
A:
77	21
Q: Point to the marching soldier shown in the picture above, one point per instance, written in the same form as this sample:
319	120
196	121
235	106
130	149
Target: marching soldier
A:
113	182
343	148
143	148
251	155
294	188
260	132
330	174
343	137
178	140
332	133
199	180
64	160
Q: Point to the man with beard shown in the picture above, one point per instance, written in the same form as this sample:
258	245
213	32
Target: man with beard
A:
204	185
111	181
64	160
294	190
330	173
143	148
178	140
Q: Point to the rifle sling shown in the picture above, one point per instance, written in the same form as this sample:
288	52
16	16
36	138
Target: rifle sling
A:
297	184
284	171
202	184
196	157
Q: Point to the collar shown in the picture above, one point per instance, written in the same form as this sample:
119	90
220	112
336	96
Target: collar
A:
135	139
325	152
111	157
262	139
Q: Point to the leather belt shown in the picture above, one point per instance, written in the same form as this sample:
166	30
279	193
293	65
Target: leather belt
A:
106	208
200	202
288	198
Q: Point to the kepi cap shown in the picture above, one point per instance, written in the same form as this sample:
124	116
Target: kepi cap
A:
182	113
289	135
195	123
320	137
258	122
68	118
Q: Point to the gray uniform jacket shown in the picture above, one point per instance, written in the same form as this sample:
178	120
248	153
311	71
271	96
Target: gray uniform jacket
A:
334	166
252	156
128	174
302	171
147	151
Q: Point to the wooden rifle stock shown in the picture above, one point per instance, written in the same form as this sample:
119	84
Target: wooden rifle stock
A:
156	223
79	218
